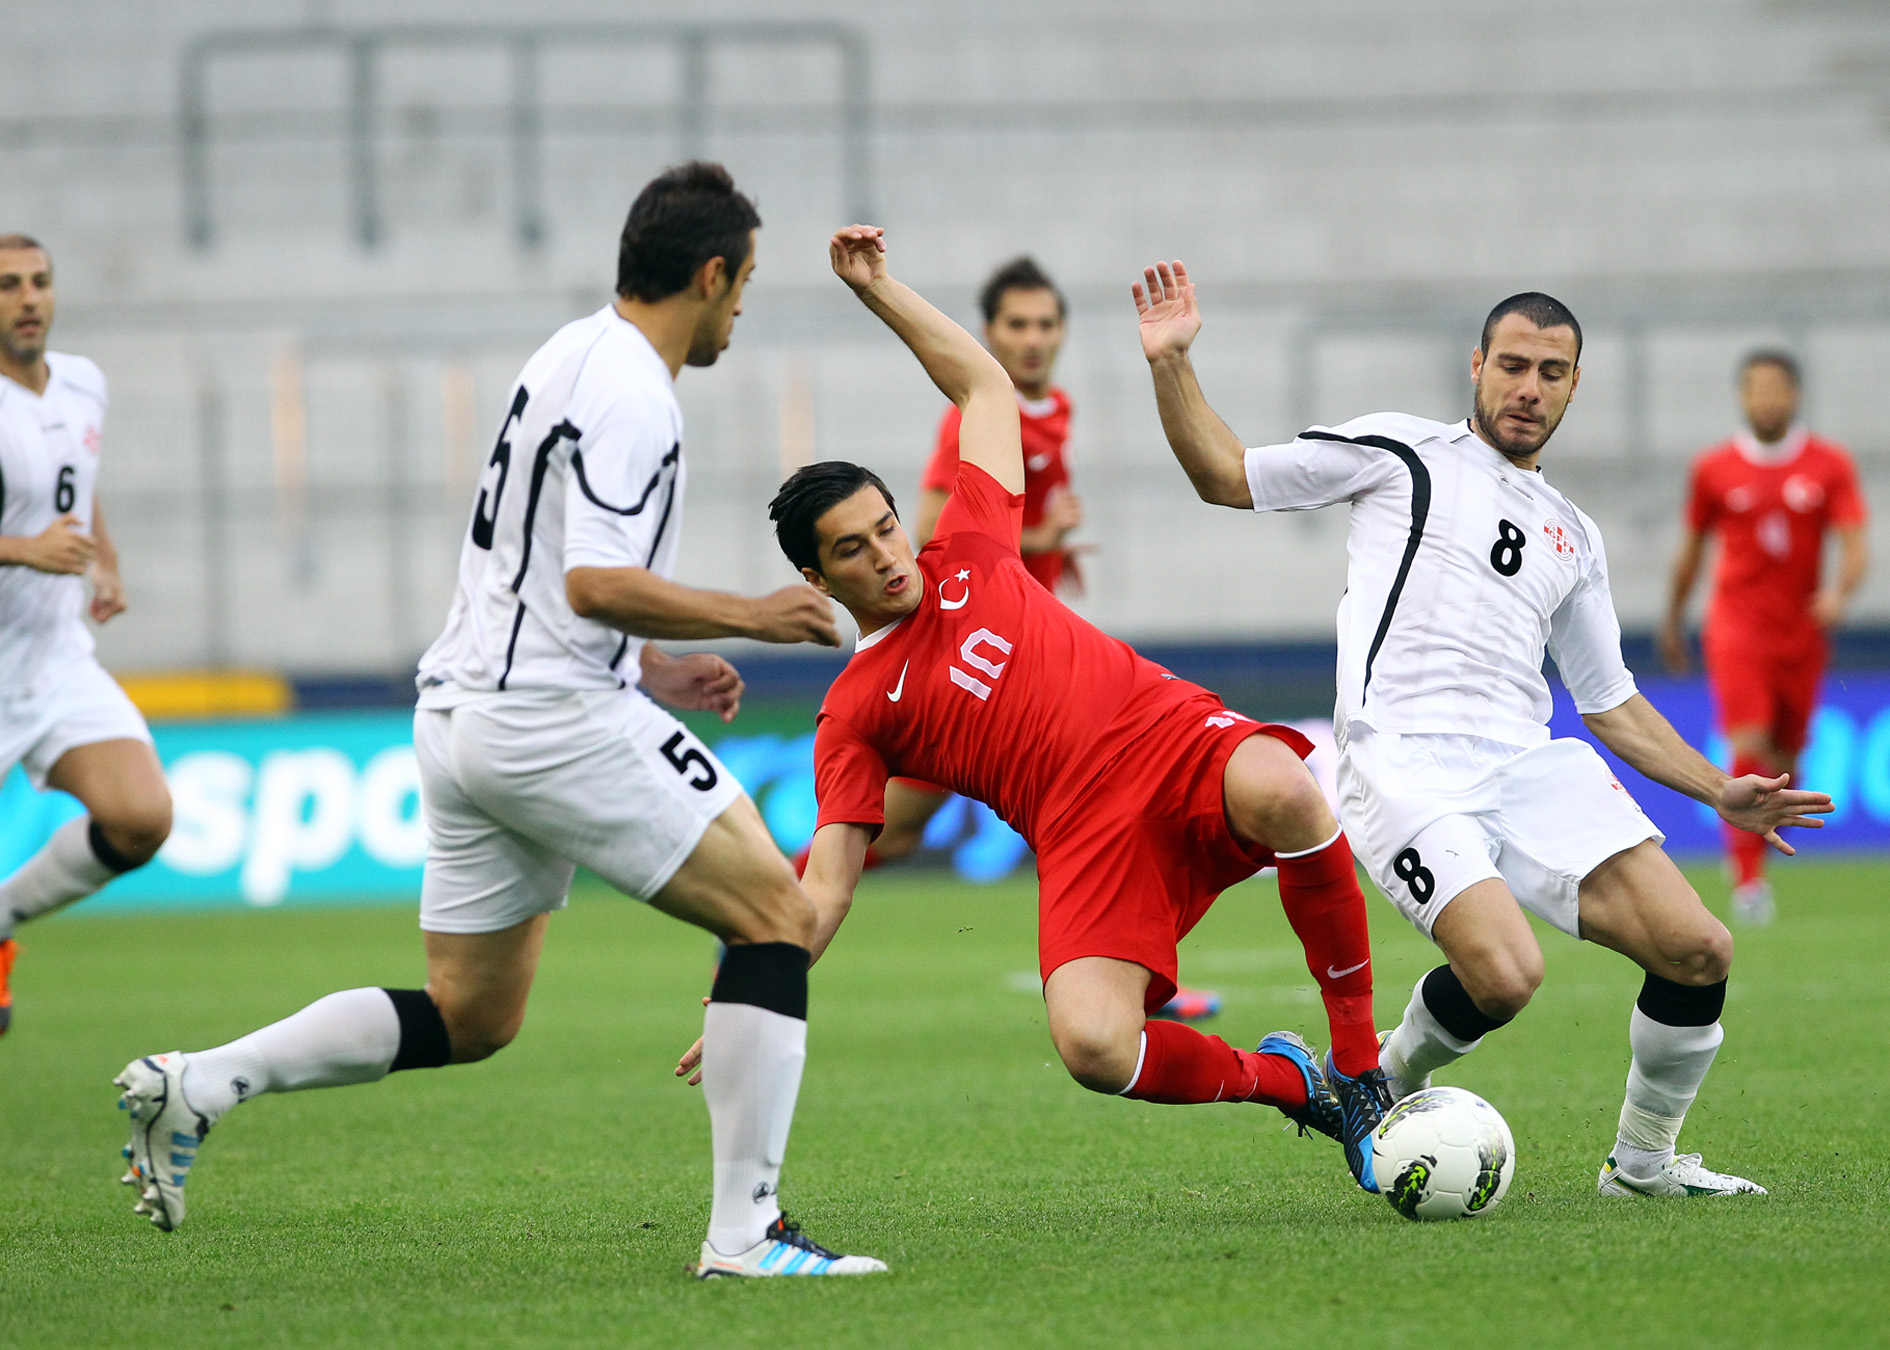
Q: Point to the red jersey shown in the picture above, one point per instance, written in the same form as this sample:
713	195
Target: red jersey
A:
991	687
1771	508
1045	424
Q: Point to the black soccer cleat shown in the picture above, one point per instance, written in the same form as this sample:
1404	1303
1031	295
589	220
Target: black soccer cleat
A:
1363	1102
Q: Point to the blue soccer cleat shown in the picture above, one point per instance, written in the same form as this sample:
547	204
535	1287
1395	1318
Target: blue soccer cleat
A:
1363	1102
1189	1005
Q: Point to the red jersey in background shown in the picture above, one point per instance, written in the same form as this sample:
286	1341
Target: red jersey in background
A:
1771	507
1045	424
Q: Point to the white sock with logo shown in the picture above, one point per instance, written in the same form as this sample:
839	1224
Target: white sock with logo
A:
751	1076
1669	1065
348	1037
64	870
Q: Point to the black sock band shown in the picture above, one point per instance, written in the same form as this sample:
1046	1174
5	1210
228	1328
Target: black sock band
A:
771	975
1456	1012
1681	1005
423	1040
102	850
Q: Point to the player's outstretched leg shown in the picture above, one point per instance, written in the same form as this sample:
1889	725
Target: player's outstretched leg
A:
1638	904
173	1100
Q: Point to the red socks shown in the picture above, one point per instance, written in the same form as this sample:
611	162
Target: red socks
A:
1181	1067
1319	891
1745	849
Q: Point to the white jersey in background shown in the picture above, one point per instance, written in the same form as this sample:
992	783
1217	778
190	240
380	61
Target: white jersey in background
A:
587	472
49	445
1462	569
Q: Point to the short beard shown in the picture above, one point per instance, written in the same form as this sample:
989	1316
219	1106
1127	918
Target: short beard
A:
1509	448
704	348
24	357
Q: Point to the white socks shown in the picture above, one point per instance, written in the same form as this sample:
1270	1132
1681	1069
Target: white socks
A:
349	1037
64	870
751	1075
1669	1065
1420	1046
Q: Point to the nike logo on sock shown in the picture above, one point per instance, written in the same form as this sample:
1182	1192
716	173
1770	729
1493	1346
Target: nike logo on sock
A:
1332	974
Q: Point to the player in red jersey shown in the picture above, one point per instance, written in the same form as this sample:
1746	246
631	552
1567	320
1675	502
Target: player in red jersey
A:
1142	795
1771	495
1024	316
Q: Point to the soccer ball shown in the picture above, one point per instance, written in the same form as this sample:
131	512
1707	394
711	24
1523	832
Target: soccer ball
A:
1443	1153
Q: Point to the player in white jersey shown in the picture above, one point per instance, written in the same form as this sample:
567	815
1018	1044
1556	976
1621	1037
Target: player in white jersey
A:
1465	565
62	718
540	749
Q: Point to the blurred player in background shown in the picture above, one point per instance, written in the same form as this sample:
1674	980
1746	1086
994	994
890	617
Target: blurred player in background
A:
1772	493
1143	796
62	718
540	749
1466	565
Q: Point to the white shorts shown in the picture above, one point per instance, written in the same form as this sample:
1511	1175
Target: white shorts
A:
518	788
1430	816
82	707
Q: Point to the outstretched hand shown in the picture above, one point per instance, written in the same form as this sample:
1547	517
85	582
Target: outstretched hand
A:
691	1061
1764	806
858	255
1170	318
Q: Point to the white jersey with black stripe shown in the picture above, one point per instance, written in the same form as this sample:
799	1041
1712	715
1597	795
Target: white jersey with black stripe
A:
1462	570
49	448
587	472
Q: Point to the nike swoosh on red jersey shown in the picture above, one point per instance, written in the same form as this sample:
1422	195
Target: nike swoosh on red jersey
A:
900	688
1331	974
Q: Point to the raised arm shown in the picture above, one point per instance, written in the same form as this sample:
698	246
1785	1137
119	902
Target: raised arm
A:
1210	453
964	372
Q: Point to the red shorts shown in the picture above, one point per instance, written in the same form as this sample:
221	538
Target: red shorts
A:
1762	682
1130	867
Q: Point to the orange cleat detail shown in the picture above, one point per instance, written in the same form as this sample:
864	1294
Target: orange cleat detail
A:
8	950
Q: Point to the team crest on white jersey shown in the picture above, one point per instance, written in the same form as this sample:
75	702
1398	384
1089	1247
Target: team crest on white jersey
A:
1559	540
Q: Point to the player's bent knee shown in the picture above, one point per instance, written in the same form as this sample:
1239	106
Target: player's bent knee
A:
1502	986
139	833
1099	1060
1707	958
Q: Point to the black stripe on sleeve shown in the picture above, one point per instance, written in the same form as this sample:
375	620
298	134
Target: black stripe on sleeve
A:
584	483
1420	512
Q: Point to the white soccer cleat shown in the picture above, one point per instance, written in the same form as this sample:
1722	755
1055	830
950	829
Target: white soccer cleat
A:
1682	1177
1752	903
165	1136
1400	1087
785	1250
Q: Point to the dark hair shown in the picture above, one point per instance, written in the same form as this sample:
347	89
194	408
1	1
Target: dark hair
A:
682	218
1772	356
1544	311
9	242
809	493
1019	274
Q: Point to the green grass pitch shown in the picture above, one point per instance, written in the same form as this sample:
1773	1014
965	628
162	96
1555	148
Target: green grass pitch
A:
553	1195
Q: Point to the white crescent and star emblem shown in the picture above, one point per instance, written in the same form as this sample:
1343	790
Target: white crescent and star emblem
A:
963	578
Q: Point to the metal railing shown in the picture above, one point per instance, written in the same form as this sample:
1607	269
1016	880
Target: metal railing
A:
364	50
